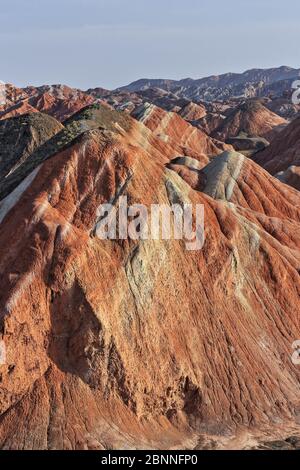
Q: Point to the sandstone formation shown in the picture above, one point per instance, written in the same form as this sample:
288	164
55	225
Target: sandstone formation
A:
251	118
123	100
19	109
58	101
62	136
284	106
291	176
171	128
192	111
247	145
284	150
11	94
143	344
209	122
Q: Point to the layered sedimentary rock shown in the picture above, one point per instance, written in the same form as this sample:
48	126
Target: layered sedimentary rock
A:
291	176
192	112
249	146
58	101
143	344
171	128
284	106
251	118
283	154
19	109
123	100
11	95
209	122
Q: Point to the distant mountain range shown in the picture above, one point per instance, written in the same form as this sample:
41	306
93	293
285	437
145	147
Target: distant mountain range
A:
252	83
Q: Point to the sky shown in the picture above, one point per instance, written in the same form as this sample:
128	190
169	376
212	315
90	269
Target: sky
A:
110	43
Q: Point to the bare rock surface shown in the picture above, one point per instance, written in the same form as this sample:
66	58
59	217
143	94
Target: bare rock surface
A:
143	344
252	118
282	157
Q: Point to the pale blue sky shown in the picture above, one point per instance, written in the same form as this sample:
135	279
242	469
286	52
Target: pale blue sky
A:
110	43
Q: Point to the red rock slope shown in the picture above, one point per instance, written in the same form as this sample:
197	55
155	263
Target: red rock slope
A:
282	157
251	118
173	129
192	111
58	101
19	109
144	344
